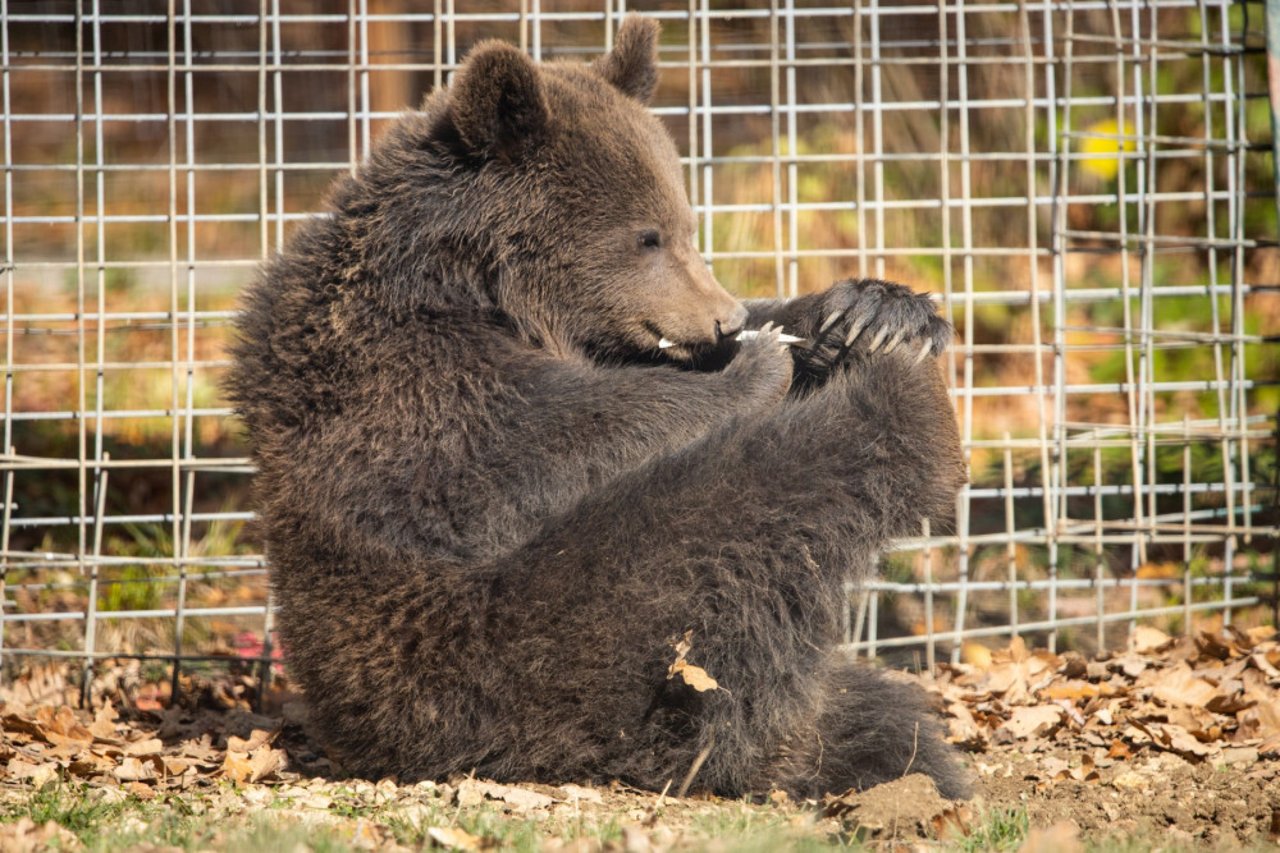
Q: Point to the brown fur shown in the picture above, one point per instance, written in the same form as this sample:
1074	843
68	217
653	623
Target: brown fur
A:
492	505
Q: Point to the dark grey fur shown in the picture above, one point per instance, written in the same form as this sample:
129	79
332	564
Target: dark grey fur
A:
492	506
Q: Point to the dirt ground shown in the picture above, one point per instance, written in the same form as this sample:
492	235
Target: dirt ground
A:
1174	745
1201	805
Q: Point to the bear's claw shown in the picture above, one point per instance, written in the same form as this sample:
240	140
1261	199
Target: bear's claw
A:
893	313
751	334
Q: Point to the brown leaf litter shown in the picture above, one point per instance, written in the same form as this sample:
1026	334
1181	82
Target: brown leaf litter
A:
1179	735
1201	698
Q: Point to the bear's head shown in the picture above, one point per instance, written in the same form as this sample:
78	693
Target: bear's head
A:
565	197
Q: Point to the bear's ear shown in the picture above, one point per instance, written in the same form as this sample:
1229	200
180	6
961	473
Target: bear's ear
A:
496	103
632	65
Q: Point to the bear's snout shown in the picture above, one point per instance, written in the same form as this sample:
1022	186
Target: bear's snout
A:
730	325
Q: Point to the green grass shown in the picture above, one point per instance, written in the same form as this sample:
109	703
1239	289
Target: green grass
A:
177	821
107	824
219	819
70	809
1001	829
753	829
189	822
225	817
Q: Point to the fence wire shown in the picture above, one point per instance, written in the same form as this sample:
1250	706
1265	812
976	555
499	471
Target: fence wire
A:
1086	184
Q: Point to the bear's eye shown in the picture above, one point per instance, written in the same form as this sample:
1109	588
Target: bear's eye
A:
650	240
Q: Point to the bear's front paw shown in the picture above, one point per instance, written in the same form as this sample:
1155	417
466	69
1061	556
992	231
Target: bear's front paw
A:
876	316
762	365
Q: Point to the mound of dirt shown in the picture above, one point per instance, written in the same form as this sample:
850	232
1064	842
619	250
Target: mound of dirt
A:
905	808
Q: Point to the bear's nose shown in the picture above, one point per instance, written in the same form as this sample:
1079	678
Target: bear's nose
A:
733	324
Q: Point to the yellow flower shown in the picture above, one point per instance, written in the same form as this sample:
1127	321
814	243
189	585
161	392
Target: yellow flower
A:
1103	149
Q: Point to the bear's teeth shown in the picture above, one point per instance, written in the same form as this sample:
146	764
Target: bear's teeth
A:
665	344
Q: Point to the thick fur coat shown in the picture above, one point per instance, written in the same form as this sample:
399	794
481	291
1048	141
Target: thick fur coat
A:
494	506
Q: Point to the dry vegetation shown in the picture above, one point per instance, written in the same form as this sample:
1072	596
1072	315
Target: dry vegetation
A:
1174	744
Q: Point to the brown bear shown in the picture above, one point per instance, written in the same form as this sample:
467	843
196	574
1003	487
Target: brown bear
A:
512	534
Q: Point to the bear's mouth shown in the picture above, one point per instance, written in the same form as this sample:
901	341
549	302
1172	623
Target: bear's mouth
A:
673	348
668	347
676	350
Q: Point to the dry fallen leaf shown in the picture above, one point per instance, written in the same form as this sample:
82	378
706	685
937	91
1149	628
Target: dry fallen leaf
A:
1076	690
1087	771
36	774
1033	721
253	767
963	727
140	790
473	792
1240	755
976	654
1062	837
521	798
257	738
578	793
694	676
23	728
1268	663
1131	781
453	838
60	725
955	822
91	764
1178	685
146	746
1119	750
23	836
104	725
1178	740
134	770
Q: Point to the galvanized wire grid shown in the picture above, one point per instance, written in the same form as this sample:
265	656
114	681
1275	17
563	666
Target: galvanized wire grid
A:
1099	230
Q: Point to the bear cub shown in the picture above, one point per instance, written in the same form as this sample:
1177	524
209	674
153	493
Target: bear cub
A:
509	532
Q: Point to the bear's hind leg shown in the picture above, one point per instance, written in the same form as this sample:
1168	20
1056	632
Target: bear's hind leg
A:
871	729
736	548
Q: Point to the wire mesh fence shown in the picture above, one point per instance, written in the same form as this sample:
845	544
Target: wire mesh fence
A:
1086	184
